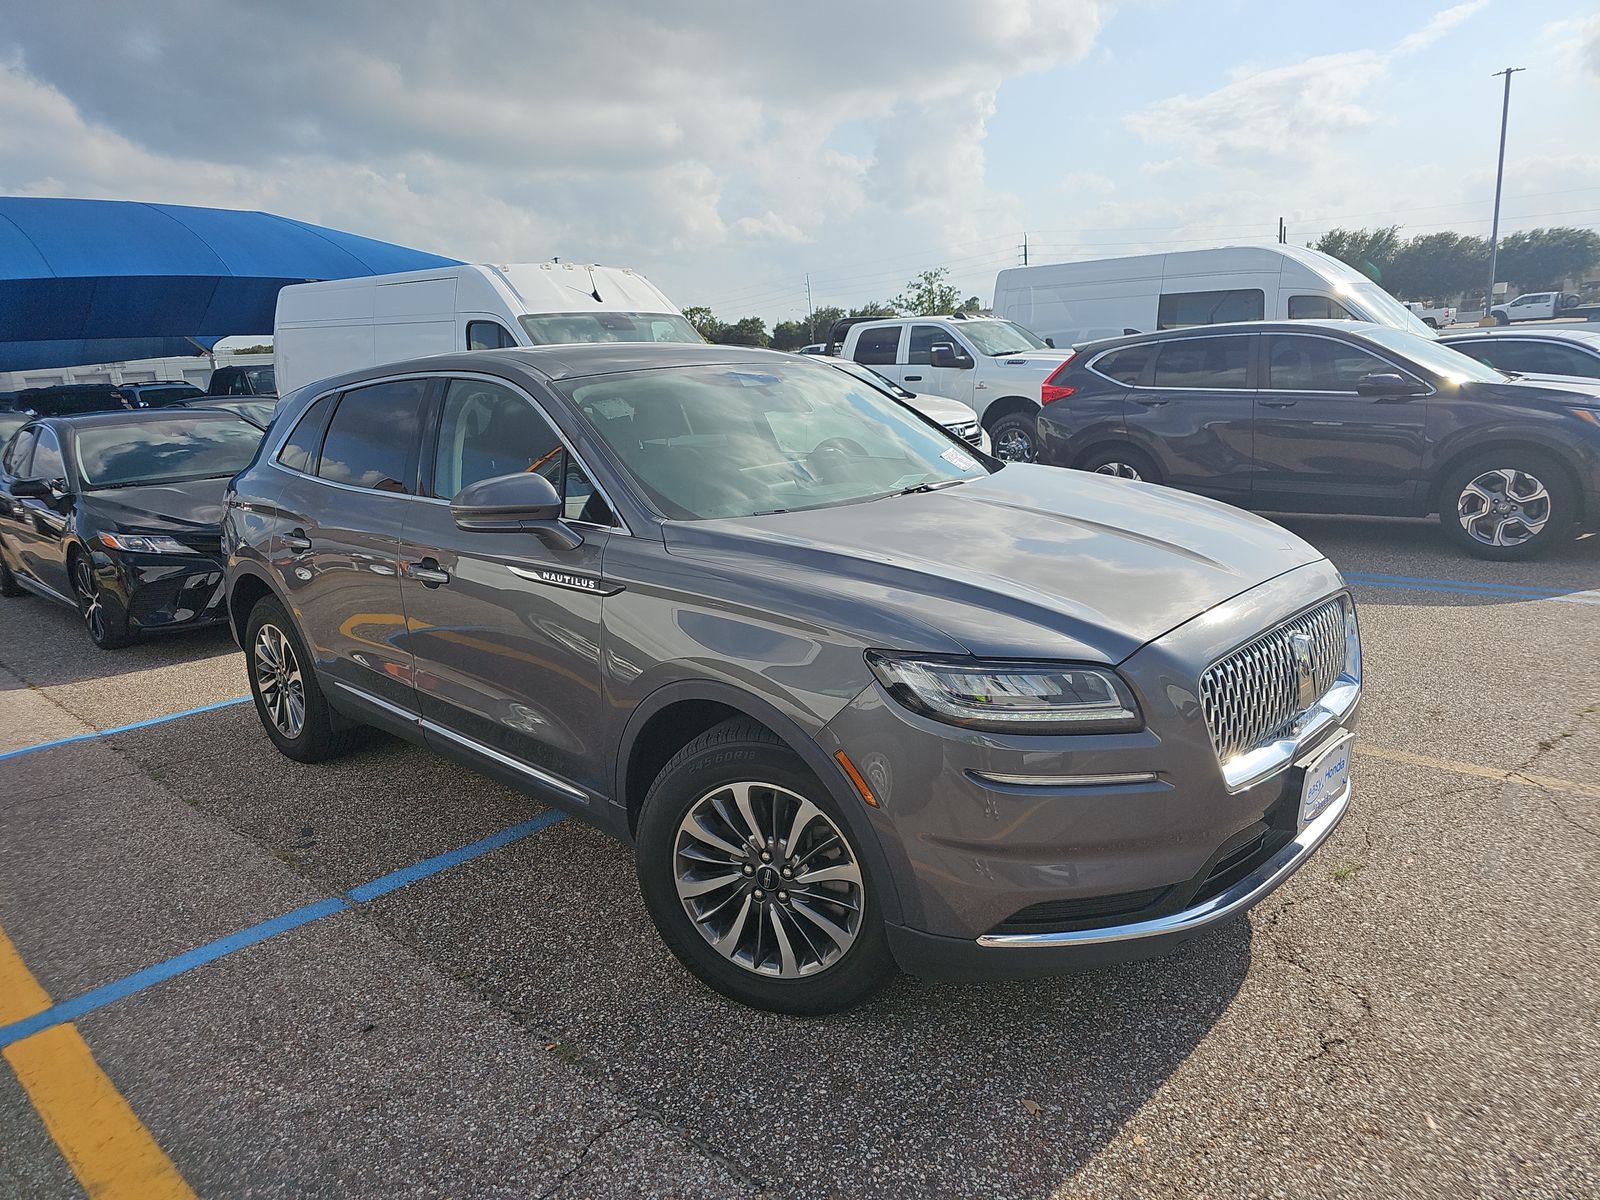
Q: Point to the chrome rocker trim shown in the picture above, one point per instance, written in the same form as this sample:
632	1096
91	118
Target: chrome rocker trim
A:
1252	888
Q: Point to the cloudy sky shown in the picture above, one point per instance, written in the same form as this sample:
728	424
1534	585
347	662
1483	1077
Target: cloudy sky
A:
727	152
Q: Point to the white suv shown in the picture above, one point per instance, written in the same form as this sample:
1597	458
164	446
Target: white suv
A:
995	367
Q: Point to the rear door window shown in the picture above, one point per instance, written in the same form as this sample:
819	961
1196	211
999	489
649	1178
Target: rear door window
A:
1211	363
878	347
372	438
1180	310
1125	365
1318	364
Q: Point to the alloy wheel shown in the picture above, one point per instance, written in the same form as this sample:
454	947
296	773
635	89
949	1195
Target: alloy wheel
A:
89	605
1503	507
768	879
1014	445
1119	470
278	678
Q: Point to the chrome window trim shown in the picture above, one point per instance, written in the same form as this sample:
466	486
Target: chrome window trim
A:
277	445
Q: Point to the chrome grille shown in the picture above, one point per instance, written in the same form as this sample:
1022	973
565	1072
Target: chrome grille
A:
1251	697
968	431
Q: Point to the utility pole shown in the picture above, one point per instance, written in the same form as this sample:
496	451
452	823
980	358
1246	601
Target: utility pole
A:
1283	232
1499	177
1024	248
811	332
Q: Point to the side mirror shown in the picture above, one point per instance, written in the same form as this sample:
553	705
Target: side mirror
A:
508	503
943	354
40	489
1051	342
1387	383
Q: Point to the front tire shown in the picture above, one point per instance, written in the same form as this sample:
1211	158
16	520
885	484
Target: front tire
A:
1507	505
1015	437
289	701
753	879
102	616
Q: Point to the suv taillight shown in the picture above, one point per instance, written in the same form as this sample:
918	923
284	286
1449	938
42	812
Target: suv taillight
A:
1053	389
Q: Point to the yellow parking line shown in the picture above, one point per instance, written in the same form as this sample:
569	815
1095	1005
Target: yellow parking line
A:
1549	782
105	1144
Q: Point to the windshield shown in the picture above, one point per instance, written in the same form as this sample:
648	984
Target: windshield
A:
739	441
164	451
995	338
1377	305
564	329
1435	356
868	375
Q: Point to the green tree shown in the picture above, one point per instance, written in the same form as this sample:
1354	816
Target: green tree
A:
751	331
927	295
820	321
1542	259
1437	267
875	308
970	305
790	335
705	323
1369	251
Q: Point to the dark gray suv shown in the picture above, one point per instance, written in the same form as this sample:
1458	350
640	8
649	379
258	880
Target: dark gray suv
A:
861	696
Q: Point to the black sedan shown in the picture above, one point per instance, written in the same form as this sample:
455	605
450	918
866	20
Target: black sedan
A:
1553	350
117	515
258	410
1335	417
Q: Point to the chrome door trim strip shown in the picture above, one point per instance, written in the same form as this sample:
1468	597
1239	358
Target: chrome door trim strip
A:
388	706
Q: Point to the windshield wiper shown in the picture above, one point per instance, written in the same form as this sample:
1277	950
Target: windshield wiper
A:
917	489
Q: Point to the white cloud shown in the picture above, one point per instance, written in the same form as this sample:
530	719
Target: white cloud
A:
1575	45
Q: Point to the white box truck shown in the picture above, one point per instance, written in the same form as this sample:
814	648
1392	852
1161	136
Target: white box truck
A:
327	328
1077	302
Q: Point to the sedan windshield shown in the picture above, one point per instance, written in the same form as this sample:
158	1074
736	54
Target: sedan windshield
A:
164	451
1435	356
565	329
995	338
739	441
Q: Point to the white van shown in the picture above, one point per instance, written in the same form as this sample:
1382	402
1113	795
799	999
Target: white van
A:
327	328
1108	297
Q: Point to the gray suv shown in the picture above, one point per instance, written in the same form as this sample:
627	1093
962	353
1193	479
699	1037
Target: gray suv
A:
861	696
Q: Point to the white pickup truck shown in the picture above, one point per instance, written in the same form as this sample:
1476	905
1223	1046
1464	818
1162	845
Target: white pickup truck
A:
1542	306
1433	318
994	367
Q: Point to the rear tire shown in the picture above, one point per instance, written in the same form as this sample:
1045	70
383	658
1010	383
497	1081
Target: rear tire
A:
753	880
283	681
1507	505
1122	462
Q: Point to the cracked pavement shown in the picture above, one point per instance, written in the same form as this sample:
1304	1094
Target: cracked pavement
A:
1413	1015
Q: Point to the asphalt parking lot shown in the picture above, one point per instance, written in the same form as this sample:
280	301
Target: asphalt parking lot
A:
394	977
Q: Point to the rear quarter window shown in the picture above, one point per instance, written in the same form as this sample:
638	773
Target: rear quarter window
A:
1126	365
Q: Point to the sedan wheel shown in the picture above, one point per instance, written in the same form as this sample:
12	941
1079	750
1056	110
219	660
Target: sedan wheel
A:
768	880
1504	507
282	688
105	629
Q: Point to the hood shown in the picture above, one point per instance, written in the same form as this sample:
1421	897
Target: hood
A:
1030	562
194	507
1042	361
942	409
1558	389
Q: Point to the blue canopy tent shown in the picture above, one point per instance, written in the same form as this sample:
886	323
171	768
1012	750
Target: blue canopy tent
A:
88	281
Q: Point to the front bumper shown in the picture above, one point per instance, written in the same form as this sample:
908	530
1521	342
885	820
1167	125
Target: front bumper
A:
1025	855
158	592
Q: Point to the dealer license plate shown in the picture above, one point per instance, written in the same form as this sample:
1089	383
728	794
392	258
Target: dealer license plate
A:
1327	777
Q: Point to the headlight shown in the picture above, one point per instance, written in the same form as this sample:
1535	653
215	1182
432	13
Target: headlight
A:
1352	641
140	543
1008	697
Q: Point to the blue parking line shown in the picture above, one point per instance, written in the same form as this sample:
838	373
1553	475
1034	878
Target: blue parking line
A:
1508	591
100	733
189	960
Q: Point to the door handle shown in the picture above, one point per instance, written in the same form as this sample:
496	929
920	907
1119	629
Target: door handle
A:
1151	401
1279	403
428	572
297	541
913	378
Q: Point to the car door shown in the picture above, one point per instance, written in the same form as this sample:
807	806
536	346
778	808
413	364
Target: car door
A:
1192	411
336	540
1530	307
920	375
504	631
878	347
44	549
1320	445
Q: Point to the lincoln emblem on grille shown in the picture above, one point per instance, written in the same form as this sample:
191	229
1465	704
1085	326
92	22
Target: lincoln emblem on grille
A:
1304	669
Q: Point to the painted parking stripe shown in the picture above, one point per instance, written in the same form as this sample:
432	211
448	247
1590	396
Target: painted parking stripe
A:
23	1026
1474	589
108	1148
101	733
1549	783
1543	590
